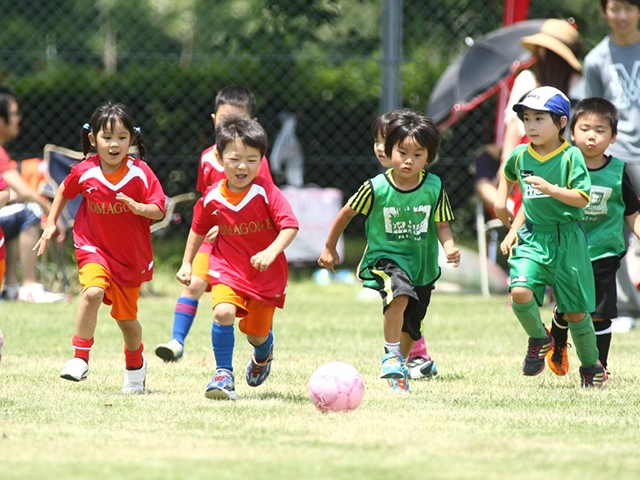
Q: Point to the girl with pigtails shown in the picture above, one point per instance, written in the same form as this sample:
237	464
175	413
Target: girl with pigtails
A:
121	197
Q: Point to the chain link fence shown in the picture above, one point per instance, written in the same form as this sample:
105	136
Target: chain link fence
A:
316	59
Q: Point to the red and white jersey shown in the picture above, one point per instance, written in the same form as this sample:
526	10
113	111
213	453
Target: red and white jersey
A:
105	230
210	171
3	250
249	222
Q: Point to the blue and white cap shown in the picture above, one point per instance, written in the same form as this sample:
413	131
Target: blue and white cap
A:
545	99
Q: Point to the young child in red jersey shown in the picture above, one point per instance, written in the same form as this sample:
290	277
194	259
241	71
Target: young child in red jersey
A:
229	100
247	267
121	196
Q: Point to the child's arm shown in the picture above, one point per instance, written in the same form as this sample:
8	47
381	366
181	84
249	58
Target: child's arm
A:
4	196
500	207
446	240
329	256
633	222
193	244
568	196
148	210
262	260
510	238
50	229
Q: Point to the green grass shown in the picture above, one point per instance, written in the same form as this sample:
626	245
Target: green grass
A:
479	418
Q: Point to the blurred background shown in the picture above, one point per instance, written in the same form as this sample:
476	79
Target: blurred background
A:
323	69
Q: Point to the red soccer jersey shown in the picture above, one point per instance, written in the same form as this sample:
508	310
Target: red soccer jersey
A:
210	171
3	251
5	160
105	230
249	222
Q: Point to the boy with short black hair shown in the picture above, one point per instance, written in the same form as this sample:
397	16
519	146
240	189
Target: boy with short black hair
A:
247	266
551	246
613	202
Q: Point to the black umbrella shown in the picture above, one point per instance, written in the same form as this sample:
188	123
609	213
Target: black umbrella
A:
479	72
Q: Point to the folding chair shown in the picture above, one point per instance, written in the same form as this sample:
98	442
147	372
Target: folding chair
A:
486	251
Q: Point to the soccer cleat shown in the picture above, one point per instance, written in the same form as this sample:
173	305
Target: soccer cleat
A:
534	361
222	386
37	293
594	376
75	370
170	352
392	365
558	359
134	380
257	372
399	385
420	367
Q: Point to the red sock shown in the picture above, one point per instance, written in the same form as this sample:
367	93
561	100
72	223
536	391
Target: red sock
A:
133	360
82	346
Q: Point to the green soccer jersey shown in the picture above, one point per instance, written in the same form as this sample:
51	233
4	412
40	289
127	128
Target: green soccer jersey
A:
400	225
564	167
604	216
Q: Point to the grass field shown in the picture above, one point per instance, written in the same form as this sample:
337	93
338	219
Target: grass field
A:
479	418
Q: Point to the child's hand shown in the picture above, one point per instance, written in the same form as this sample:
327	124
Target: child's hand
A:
329	258
184	274
262	260
453	256
508	242
539	184
504	215
212	234
48	233
136	207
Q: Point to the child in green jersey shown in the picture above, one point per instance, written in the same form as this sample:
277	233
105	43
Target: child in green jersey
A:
551	246
407	212
613	202
419	362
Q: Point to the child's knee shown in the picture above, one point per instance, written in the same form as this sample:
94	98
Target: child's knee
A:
93	295
224	313
521	295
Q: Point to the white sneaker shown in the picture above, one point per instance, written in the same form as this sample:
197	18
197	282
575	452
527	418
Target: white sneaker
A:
623	324
134	379
37	293
75	370
171	351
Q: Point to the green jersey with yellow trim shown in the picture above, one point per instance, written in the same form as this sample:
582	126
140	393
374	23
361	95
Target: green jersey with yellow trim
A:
400	225
564	167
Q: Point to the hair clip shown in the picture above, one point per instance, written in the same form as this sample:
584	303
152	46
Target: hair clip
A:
86	126
137	130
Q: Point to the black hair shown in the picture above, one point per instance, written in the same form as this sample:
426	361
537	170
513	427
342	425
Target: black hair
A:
379	124
237	96
409	124
250	132
105	117
603	3
596	106
6	96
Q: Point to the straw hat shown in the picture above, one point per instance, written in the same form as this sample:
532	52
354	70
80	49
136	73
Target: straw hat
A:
560	37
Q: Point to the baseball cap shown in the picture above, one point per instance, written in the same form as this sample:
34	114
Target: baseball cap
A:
545	99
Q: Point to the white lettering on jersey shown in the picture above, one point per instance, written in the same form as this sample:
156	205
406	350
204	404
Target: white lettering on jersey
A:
531	192
598	201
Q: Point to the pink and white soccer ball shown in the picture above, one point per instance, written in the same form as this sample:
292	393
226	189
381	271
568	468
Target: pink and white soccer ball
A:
336	387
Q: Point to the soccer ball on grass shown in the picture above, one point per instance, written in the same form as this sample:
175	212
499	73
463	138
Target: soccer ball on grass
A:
336	387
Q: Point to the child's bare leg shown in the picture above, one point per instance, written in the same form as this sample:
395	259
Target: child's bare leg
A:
394	318
87	316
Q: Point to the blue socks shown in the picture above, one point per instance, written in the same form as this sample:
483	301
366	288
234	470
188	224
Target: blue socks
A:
223	341
183	317
262	352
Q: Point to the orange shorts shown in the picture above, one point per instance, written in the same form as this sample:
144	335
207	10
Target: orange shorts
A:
124	300
3	268
200	266
256	316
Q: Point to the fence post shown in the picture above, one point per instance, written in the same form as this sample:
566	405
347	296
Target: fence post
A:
391	39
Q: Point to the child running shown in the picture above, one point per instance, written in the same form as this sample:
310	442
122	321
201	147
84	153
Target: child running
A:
551	246
420	364
121	196
407	211
613	203
247	266
229	100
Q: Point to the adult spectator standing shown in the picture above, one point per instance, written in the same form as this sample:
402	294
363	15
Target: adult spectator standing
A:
21	219
612	71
